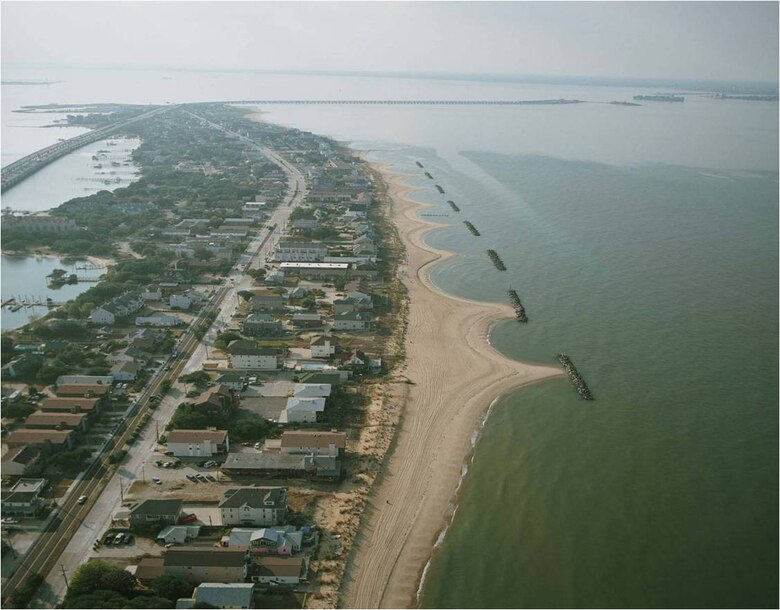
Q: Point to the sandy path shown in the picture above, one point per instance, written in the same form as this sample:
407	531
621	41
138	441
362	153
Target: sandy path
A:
457	374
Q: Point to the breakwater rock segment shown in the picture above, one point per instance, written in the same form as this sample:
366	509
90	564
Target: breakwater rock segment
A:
518	306
453	206
496	260
441	190
428	175
471	228
419	164
579	383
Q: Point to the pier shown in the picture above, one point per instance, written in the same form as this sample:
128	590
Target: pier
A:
441	190
518	306
16	303
15	172
471	228
409	102
496	260
574	375
453	206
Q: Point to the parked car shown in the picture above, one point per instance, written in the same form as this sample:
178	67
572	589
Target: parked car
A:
211	478
157	480
188	518
191	477
210	464
247	444
10	521
118	539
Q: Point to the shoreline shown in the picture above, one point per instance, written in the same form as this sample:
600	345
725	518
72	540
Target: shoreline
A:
457	375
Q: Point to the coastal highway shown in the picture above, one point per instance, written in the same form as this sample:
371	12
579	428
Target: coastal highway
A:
15	172
45	552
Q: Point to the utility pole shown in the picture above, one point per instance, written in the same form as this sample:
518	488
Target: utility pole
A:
67	585
157	429
121	492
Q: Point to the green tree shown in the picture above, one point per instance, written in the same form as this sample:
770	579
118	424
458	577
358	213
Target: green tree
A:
172	587
150	601
96	575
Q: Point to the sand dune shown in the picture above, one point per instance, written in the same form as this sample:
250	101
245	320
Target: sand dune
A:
456	375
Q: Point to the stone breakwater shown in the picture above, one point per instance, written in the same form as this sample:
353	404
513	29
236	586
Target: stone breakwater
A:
441	190
499	264
453	206
574	375
518	306
471	228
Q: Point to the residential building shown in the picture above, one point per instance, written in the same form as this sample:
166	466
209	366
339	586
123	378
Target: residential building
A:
307	320
278	540
254	506
216	399
83	390
314	442
120	306
206	564
151	293
152	512
323	347
58	438
159	319
316	271
261	325
352	320
232	381
279	570
124	371
70	405
302	410
198	443
220	595
180	301
84	379
178	534
276	464
312	390
248	355
16	460
265	300
23	363
41	222
56	421
24	499
148	570
299	250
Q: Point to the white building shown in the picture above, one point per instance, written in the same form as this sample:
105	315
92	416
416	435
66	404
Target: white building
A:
352	320
182	301
124	371
254	506
158	320
198	443
323	347
312	390
302	410
248	355
300	250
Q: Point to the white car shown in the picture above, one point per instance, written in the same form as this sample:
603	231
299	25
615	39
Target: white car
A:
82	499
157	480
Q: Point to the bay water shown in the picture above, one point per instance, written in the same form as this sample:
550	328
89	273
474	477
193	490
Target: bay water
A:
643	243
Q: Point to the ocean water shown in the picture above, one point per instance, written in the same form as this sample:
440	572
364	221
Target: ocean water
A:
643	242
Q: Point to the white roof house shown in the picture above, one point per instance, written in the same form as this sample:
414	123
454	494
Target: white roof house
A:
302	410
312	390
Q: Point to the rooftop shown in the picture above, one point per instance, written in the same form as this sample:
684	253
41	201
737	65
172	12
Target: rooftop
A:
205	556
158	507
196	436
313	438
255	497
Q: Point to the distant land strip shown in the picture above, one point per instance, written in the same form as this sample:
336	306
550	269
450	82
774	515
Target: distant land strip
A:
411	102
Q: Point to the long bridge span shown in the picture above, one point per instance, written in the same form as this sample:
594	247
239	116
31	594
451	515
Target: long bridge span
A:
15	172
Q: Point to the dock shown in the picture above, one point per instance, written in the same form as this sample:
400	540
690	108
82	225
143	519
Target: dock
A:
574	375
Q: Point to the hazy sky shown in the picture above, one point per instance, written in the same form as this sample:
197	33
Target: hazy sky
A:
706	40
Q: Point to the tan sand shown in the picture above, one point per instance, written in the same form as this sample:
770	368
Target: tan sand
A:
456	376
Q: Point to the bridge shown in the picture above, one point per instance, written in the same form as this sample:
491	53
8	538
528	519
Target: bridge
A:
17	171
409	102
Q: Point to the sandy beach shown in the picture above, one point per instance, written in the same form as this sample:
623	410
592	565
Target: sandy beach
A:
456	375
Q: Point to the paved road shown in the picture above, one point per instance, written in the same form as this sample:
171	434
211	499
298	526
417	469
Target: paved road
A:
72	545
